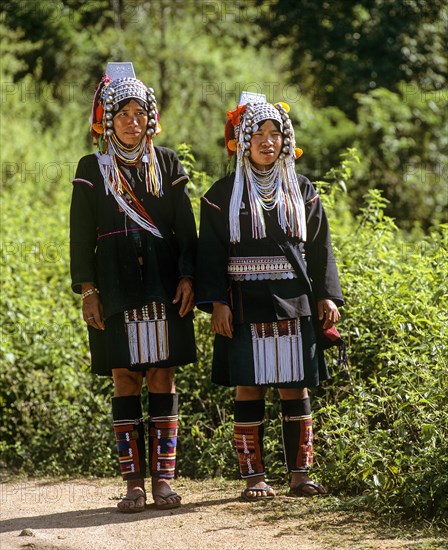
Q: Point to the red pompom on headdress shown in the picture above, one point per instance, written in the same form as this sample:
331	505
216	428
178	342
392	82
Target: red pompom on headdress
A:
233	120
235	115
96	117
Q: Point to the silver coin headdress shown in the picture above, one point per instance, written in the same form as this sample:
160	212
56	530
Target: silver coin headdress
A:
118	85
242	122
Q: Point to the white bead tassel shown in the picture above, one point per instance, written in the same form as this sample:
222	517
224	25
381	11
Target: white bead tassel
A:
271	360
278	359
106	167
144	342
256	208
237	192
294	196
133	342
162	340
152	344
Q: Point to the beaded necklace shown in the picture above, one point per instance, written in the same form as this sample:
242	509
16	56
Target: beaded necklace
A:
128	155
116	183
268	190
266	185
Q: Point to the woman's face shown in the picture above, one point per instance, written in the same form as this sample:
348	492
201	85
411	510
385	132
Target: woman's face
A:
130	123
266	145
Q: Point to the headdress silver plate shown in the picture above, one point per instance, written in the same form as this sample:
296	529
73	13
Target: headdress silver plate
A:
251	97
124	85
120	70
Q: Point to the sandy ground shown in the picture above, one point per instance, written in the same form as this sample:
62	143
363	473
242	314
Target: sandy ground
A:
81	515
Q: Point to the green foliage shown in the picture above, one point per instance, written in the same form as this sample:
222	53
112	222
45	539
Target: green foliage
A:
382	444
48	402
402	140
322	134
199	181
356	47
206	444
378	440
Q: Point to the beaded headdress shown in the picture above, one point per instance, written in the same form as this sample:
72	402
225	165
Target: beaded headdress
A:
118	85
276	188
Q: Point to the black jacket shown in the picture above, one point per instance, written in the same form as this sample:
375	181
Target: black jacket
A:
105	244
265	300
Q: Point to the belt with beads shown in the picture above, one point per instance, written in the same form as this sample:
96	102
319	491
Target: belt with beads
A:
255	268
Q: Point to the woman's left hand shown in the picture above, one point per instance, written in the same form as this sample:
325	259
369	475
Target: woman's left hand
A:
184	294
328	310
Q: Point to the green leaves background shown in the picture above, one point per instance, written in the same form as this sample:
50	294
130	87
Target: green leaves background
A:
379	156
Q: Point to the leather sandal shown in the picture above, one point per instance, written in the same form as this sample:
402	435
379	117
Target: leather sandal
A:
258	495
166	505
321	490
133	496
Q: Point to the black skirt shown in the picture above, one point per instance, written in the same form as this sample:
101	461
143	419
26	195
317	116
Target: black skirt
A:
236	361
167	343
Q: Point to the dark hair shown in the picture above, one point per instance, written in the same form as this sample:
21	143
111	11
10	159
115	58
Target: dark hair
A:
118	106
275	122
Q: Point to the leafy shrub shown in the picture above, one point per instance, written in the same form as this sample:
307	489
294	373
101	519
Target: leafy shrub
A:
402	141
378	440
383	443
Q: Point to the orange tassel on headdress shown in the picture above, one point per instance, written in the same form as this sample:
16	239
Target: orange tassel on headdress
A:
235	115
96	117
229	135
99	113
231	145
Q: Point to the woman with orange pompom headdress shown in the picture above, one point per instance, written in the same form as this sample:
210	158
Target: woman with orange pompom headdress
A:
267	274
133	246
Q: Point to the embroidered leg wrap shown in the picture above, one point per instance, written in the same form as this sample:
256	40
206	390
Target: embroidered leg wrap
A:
248	433
163	426
130	435
297	431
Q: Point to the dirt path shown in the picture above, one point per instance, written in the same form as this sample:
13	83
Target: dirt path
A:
81	515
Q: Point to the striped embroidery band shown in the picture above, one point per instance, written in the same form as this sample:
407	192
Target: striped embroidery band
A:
147	330
277	349
241	268
127	433
248	442
163	433
81	180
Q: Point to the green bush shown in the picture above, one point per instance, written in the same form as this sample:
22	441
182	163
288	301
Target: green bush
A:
385	440
382	443
402	141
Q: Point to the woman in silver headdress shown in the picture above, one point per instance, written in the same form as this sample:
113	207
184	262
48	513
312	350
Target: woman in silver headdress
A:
133	244
266	273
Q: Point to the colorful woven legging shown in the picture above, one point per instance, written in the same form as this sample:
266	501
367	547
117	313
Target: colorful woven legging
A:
248	433
297	428
130	435
163	427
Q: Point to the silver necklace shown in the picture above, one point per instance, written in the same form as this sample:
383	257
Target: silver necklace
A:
265	186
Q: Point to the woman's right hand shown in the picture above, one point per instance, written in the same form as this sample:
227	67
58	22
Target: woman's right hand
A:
222	319
92	311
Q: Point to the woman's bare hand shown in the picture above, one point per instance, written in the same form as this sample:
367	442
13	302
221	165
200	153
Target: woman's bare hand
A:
329	311
92	311
222	319
184	294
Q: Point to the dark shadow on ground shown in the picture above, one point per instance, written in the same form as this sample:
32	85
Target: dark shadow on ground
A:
100	516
